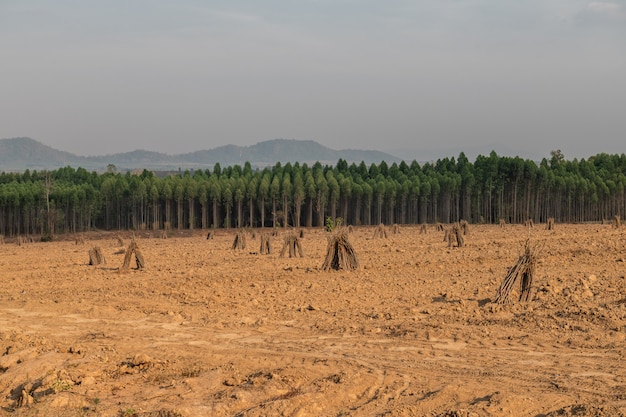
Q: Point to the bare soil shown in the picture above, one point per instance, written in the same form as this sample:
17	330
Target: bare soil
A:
205	330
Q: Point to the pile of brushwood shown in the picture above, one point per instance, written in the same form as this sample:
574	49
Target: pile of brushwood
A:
340	253
523	271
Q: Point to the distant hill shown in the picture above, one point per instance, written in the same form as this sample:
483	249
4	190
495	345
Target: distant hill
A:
19	154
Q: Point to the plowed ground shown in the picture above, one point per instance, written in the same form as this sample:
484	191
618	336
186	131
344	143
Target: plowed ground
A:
204	330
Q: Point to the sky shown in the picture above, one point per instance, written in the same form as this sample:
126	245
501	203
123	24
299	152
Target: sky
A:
404	76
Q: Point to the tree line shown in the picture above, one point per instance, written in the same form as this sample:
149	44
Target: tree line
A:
489	189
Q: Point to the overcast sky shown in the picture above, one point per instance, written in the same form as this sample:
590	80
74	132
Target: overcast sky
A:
95	77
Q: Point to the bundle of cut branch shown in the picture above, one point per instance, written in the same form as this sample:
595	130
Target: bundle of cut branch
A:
240	240
380	231
465	227
292	243
266	244
617	221
133	249
96	257
340	253
523	271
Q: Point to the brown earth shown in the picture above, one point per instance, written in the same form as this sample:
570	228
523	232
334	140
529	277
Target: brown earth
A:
205	330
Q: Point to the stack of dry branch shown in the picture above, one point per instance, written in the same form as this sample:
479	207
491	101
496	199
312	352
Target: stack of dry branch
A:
423	229
380	231
502	223
80	240
96	257
340	253
550	225
439	227
465	227
240	240
1	240
120	241
454	234
266	244
133	248
523	271
617	221
395	229
209	236
529	223
292	243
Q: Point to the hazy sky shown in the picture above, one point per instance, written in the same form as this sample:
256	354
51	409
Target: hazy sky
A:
96	77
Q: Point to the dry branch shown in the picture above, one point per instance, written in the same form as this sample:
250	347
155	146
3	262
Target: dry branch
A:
266	244
292	244
523	271
380	231
240	240
617	221
133	249
340	253
465	227
96	257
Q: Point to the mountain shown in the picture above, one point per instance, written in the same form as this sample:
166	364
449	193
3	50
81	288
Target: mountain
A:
22	153
19	154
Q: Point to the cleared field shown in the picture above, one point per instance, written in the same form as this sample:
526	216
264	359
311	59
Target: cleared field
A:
205	330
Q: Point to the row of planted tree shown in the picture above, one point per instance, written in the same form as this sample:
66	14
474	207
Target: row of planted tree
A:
488	190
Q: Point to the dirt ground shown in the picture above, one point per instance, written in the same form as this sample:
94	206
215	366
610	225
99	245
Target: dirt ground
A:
204	330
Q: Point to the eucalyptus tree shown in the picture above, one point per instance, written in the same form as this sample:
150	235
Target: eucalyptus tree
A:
345	192
179	195
310	193
215	194
286	190
368	194
299	193
264	193
274	195
203	199
191	193
322	196
227	185
381	186
239	194
251	192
